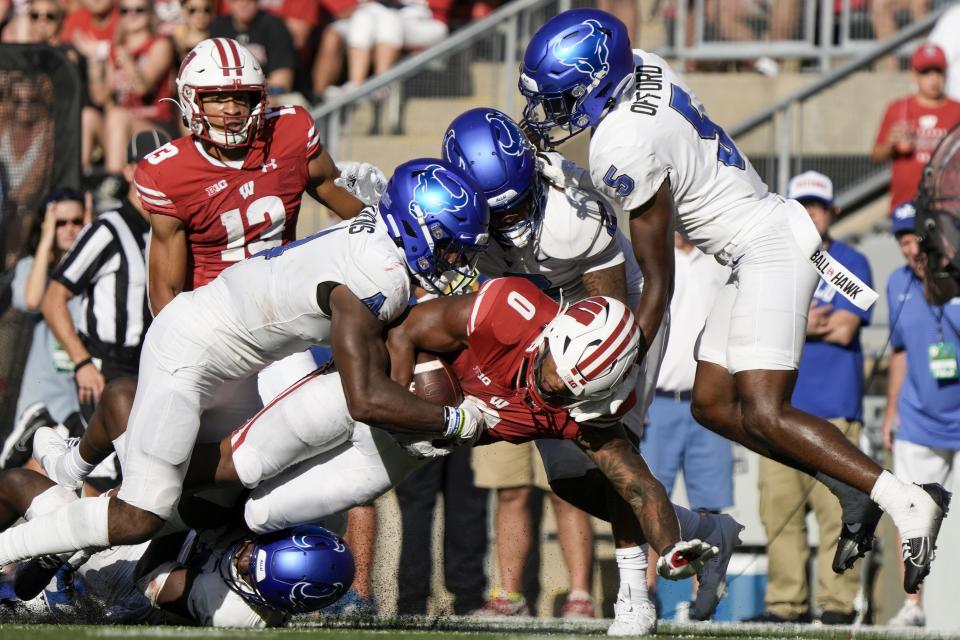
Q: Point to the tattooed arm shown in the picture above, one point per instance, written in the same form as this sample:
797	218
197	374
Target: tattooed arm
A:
616	458
610	282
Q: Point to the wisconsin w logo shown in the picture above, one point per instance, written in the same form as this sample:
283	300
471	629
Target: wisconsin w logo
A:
588	54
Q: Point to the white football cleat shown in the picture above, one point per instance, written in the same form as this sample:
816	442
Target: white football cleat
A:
713	576
49	448
632	618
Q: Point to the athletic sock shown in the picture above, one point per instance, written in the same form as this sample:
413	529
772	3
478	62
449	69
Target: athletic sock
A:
856	506
79	525
632	563
72	466
901	501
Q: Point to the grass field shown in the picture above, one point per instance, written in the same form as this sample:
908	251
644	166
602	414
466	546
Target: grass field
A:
437	628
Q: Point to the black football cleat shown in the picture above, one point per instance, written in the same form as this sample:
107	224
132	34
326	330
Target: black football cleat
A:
918	552
33	575
856	539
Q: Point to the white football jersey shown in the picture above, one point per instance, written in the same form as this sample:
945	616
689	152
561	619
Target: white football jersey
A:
109	579
661	131
266	307
578	234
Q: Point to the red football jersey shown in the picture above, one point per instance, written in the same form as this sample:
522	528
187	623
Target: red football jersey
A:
232	210
508	316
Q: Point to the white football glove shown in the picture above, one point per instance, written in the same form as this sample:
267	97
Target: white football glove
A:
424	449
607	406
685	558
363	180
561	172
465	423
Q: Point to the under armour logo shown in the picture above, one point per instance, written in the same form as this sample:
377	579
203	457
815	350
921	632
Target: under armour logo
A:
269	165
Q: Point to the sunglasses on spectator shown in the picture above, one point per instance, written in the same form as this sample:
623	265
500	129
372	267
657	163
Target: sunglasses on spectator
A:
76	222
195	10
49	16
132	10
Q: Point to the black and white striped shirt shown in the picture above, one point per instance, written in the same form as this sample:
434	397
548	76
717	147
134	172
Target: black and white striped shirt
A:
107	266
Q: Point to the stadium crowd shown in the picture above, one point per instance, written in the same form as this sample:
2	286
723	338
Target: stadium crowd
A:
81	276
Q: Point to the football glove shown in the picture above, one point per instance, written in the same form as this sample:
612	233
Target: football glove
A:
422	449
561	172
684	559
465	423
365	181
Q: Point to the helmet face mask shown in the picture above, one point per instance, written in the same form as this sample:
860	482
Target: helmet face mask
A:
294	570
438	218
219	66
574	71
515	226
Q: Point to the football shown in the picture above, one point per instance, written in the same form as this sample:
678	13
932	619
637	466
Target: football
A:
433	380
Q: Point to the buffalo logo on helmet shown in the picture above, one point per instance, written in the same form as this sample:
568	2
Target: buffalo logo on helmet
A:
510	139
304	542
450	150
436	192
588	54
303	592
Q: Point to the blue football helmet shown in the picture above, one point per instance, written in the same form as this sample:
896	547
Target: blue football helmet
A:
574	70
296	570
491	148
438	217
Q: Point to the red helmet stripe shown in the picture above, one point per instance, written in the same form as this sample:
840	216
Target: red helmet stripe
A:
224	65
614	354
610	347
236	56
586	310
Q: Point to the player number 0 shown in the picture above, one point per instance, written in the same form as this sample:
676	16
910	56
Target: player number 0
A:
521	305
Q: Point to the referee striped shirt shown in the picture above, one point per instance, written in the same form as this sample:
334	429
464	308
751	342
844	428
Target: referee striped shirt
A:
107	266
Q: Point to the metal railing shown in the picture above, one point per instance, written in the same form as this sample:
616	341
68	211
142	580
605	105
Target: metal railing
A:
790	136
751	29
497	39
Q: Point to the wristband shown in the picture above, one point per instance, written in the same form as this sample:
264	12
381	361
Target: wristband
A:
453	418
642	345
80	365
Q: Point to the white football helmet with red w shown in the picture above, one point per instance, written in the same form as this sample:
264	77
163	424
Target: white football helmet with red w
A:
219	65
594	344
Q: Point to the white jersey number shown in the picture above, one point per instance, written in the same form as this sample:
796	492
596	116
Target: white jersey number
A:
261	209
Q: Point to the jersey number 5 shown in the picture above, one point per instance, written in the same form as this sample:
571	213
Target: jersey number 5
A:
727	152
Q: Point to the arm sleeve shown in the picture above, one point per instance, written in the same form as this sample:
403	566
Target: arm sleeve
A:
858	264
19	284
88	255
630	176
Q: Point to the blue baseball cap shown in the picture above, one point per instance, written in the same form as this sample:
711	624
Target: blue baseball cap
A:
904	219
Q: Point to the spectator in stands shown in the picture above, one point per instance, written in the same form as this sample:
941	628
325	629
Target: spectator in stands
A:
673	440
92	28
328	63
922	421
829	385
47	393
884	14
913	126
464	532
299	16
133	82
515	470
25	143
266	36
381	30
944	35
195	27
107	267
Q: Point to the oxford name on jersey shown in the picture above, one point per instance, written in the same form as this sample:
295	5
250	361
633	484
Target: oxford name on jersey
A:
508	316
660	130
232	210
578	234
271	305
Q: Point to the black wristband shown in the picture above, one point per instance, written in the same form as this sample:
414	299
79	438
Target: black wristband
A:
80	365
642	345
